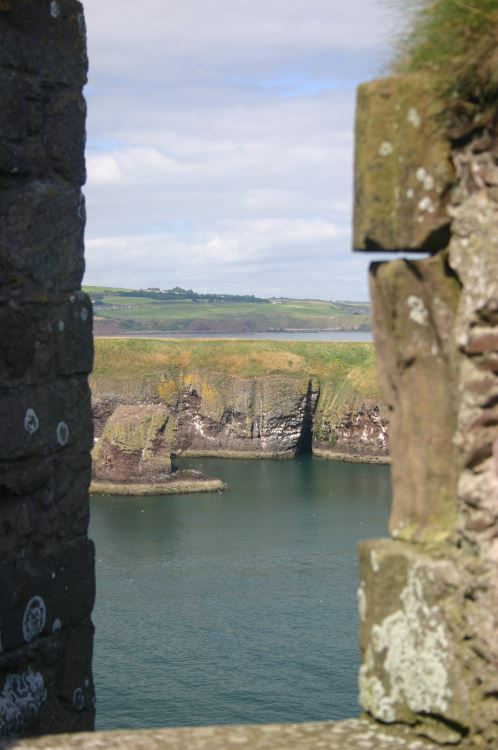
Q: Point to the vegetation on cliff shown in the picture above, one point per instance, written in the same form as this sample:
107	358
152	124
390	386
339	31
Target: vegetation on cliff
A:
125	360
456	42
251	398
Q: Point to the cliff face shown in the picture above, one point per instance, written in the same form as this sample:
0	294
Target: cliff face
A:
268	416
205	412
350	426
136	445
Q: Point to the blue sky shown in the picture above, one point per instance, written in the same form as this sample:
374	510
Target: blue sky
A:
220	143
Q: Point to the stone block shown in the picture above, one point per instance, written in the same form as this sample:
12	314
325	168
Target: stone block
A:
411	668
44	504
41	245
18	343
403	169
41	341
64	138
46	38
42	594
47	686
414	307
72	330
353	734
46	419
42	129
428	621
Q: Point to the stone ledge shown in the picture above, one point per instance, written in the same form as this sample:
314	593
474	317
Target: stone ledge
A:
180	487
356	734
352	458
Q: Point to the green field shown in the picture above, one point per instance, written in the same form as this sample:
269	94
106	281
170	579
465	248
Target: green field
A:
115	313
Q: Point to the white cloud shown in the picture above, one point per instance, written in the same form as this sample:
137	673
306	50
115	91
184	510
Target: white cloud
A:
234	252
220	142
189	39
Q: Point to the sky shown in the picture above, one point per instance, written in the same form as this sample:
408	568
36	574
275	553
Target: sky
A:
220	143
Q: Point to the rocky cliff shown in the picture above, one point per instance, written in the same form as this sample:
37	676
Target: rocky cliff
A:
350	425
136	445
267	400
261	416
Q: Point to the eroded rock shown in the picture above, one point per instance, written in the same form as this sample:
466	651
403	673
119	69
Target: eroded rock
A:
135	445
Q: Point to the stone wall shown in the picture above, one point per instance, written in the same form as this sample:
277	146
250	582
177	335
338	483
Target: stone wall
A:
47	562
429	597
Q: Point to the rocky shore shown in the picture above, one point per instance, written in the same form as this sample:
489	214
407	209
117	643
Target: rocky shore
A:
142	418
176	486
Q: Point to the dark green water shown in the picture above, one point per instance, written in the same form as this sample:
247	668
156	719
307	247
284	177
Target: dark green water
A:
234	608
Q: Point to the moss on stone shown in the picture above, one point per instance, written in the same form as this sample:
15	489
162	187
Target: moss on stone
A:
136	442
153	489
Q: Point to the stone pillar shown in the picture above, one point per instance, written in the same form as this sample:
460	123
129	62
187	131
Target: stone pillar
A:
47	562
429	596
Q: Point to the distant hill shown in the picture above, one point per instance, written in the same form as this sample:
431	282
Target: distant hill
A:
175	310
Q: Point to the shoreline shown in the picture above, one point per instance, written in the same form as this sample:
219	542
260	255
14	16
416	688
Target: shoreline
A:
243	333
178	487
191	486
328	455
353	458
232	335
223	453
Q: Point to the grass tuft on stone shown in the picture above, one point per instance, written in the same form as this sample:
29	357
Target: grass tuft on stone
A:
456	42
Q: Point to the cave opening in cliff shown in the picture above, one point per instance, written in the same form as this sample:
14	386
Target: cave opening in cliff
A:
304	444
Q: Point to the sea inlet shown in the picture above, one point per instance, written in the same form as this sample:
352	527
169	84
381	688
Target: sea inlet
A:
237	607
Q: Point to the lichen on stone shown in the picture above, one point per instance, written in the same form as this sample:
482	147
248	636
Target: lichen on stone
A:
22	697
418	311
410	650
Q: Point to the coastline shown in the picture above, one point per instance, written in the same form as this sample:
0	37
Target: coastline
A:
252	455
354	458
189	334
178	487
235	400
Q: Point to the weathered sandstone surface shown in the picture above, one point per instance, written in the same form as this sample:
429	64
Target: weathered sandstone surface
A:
428	598
355	429
266	416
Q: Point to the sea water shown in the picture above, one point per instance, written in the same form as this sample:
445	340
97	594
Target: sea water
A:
346	336
237	607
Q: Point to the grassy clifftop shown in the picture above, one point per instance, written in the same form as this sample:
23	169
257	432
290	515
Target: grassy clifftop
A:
259	398
126	360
